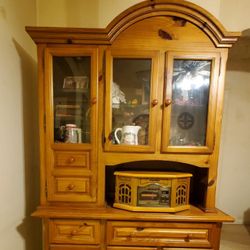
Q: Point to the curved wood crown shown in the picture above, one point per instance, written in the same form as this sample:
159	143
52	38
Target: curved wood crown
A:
147	9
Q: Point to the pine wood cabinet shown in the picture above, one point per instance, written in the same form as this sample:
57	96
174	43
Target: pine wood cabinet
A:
145	93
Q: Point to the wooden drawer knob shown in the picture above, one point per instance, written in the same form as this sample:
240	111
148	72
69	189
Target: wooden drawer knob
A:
71	186
139	229
74	232
71	159
154	102
94	100
187	239
167	102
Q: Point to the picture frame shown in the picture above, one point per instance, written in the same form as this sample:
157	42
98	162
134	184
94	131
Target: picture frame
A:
76	83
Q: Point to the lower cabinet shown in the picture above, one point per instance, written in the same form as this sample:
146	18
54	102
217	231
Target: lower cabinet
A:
77	234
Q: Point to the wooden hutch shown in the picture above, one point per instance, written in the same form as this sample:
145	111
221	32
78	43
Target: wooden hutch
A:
160	66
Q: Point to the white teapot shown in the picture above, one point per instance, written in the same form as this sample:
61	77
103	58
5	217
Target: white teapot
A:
129	135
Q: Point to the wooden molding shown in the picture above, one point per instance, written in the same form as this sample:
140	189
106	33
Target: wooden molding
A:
104	36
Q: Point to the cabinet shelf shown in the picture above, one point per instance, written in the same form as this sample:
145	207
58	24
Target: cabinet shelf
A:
77	91
64	116
68	106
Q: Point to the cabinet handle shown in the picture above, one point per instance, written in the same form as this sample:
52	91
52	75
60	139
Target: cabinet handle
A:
167	102
139	229
71	186
94	101
154	102
71	159
187	239
73	232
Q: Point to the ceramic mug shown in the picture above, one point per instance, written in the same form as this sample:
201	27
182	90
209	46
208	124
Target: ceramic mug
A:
72	134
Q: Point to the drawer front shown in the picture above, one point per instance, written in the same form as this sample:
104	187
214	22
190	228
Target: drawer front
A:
72	189
132	248
158	234
73	247
72	185
154	248
74	232
71	159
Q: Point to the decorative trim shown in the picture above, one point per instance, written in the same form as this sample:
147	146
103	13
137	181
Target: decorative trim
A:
181	10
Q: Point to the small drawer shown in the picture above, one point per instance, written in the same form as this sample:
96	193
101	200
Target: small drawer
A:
72	185
158	234
74	232
73	247
72	159
74	189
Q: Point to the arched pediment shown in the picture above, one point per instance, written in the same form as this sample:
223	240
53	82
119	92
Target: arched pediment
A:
178	9
182	10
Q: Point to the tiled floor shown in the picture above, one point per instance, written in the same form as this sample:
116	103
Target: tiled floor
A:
235	237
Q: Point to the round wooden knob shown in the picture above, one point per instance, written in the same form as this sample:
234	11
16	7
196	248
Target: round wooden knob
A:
187	239
71	186
71	159
94	100
167	102
73	232
154	102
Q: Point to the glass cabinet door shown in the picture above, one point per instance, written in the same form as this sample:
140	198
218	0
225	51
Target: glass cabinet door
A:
71	77
189	111
130	100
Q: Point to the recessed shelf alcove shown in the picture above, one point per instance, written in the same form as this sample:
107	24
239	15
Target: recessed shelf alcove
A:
197	183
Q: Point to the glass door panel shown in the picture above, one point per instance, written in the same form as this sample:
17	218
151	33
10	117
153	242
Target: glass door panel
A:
71	95
190	94
130	80
190	102
130	101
